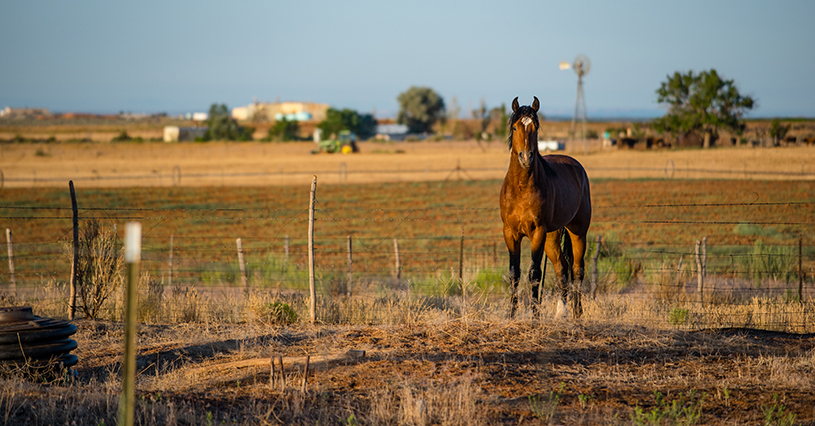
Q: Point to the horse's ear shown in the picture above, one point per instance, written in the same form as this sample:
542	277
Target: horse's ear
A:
536	104
515	105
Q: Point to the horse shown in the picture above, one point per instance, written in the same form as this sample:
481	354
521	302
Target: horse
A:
543	198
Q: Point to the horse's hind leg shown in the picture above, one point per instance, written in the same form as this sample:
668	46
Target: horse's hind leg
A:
578	269
553	252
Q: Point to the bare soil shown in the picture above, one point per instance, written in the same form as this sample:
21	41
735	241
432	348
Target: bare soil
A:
498	370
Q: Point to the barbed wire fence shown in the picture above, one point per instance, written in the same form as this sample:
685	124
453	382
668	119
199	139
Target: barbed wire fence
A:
684	284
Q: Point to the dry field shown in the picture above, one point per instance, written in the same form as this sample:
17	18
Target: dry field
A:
265	164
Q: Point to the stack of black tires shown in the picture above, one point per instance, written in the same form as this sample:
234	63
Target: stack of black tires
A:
33	342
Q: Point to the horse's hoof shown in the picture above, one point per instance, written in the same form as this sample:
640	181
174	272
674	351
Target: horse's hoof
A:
562	311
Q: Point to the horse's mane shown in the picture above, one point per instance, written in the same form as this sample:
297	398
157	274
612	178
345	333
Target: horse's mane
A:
527	111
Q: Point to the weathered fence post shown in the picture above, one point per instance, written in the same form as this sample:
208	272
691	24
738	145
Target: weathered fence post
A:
800	269
170	262
305	375
704	264
700	278
312	304
242	266
461	262
132	259
75	258
13	282
594	266
678	272
398	271
286	250
350	269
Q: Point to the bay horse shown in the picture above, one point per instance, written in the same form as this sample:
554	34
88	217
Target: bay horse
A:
540	197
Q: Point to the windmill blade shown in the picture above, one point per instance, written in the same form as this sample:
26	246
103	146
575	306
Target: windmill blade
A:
565	65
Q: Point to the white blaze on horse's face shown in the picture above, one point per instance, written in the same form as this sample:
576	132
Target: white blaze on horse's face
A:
523	135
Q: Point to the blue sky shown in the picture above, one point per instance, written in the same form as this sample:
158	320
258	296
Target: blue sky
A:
179	56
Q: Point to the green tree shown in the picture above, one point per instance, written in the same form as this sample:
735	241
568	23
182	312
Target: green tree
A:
778	131
703	103
420	108
336	120
284	131
223	127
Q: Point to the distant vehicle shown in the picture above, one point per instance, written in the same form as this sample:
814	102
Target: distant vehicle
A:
550	146
346	142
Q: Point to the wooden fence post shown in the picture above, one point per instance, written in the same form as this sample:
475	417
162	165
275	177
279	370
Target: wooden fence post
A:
312	304
704	264
398	272
800	269
13	286
700	278
350	269
305	375
132	259
594	266
286	250
75	259
170	262
494	254
679	271
242	266
461	261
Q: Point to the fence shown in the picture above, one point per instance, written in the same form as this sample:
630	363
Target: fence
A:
379	256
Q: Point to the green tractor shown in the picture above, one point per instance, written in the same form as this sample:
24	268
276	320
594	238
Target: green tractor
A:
346	143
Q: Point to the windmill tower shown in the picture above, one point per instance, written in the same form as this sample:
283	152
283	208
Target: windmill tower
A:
581	67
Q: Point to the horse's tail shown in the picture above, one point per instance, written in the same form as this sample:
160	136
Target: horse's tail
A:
568	254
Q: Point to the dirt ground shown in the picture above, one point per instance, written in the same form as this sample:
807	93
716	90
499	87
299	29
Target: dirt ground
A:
263	164
452	372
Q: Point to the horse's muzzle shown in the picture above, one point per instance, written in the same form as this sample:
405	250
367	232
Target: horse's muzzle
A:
525	159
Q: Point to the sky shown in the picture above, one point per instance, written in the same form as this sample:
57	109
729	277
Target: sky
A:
182	56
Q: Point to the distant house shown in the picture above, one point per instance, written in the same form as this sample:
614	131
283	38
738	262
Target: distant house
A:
391	132
177	134
292	111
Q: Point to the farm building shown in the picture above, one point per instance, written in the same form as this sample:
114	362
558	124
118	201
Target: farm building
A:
293	111
176	134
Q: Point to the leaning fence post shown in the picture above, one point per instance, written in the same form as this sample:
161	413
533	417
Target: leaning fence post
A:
132	259
700	278
312	304
13	287
594	267
242	266
75	260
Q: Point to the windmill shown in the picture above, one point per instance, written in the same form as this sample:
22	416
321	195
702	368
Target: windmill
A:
581	67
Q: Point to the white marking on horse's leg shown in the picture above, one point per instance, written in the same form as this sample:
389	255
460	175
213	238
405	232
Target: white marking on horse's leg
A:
562	311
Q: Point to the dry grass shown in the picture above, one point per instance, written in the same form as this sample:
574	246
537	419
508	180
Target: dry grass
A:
429	361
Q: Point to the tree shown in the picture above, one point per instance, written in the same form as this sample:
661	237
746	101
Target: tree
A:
223	127
420	108
284	131
702	103
778	131
336	120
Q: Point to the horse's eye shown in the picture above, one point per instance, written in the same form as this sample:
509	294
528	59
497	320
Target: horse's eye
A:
513	128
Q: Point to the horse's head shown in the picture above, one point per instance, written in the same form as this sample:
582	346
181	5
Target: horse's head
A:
523	132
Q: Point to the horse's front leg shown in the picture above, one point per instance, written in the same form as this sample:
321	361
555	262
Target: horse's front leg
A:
538	241
513	241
